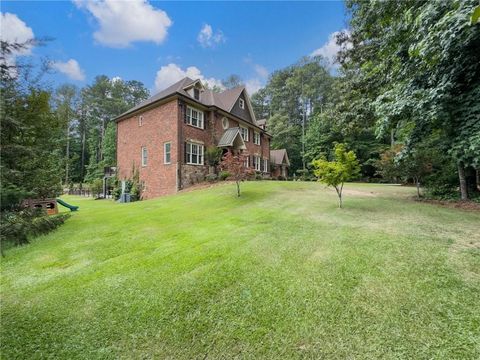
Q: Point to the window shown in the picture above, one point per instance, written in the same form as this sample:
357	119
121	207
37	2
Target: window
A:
194	154
144	156
244	133
247	162
241	103
140	120
265	165
257	163
194	117
196	94
225	123
256	138
167	153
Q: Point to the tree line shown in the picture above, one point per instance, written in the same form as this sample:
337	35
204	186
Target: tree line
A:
405	99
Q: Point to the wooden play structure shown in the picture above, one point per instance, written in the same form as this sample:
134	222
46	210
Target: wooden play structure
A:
49	205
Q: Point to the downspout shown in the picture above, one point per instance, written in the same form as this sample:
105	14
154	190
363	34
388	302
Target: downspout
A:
179	144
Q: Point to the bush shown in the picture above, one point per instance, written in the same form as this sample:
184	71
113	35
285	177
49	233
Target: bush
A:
258	176
223	175
213	155
211	178
281	178
17	226
96	187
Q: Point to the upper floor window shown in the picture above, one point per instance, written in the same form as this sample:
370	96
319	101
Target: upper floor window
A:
256	138
144	156
194	153
196	93
167	153
241	103
194	117
140	120
244	133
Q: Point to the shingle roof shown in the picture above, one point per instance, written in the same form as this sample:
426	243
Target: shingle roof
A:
224	100
277	157
230	136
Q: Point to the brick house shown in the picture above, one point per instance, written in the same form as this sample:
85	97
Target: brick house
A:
279	163
165	137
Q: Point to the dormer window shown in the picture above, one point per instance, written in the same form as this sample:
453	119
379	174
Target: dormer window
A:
241	103
196	93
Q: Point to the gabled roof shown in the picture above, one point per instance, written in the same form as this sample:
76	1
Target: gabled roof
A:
232	137
224	100
279	157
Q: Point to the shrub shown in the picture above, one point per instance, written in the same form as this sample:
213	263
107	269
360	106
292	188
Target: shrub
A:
96	187
223	175
17	226
211	178
213	155
258	176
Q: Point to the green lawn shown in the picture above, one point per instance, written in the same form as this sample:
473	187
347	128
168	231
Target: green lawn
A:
280	273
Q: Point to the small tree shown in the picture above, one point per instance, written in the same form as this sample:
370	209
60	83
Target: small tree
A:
335	173
235	166
213	155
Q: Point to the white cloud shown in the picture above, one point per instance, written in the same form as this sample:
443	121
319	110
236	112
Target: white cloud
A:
207	38
330	49
253	85
171	73
14	30
71	68
124	22
261	71
258	81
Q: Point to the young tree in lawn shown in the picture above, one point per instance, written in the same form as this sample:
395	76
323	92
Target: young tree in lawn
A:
234	164
334	173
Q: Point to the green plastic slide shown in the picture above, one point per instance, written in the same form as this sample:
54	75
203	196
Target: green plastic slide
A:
71	207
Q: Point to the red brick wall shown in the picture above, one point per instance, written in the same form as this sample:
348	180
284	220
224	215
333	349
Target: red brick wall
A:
263	150
159	126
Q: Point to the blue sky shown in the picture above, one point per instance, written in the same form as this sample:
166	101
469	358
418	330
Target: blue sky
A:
158	42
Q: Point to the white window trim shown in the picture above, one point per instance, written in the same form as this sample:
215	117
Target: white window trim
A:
241	103
200	152
140	120
247	161
165	153
200	119
144	155
258	163
246	133
265	165
256	138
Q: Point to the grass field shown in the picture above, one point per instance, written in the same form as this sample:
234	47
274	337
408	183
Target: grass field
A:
280	273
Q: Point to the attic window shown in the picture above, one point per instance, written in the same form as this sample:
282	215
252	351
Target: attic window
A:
196	93
241	103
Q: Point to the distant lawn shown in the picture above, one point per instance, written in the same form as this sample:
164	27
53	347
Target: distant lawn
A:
280	273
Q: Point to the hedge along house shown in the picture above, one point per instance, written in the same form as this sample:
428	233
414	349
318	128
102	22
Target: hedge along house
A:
165	137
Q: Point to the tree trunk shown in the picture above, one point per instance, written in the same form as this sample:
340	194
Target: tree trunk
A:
463	181
339	193
67	155
238	189
417	183
477	178
82	164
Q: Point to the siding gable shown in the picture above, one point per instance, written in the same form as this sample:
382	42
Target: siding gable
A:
242	113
